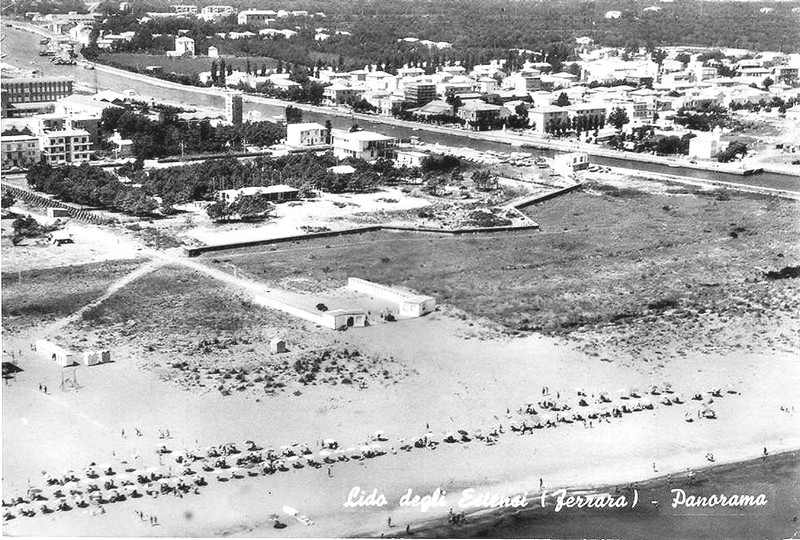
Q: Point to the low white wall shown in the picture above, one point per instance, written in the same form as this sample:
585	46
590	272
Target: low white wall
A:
271	303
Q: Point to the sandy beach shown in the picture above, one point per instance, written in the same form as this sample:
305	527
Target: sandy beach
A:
458	391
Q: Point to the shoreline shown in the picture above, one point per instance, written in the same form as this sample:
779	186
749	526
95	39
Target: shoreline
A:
480	523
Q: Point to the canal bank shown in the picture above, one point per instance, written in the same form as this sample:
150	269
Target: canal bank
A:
22	43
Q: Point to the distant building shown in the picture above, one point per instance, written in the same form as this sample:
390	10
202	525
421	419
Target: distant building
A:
480	115
567	164
65	146
185	9
306	134
184	46
339	94
706	145
233	108
542	119
275	193
418	94
256	17
18	92
411	158
213	52
19	151
213	13
365	145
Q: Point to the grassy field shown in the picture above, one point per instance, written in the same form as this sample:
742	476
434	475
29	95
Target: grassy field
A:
185	66
603	256
32	297
204	335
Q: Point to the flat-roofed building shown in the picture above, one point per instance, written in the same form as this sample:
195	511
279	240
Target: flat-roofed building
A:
420	93
306	134
215	12
32	90
66	146
366	145
185	9
542	119
339	94
258	17
19	151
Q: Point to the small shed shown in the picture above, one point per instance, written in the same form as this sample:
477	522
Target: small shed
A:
59	355
343	318
417	306
277	345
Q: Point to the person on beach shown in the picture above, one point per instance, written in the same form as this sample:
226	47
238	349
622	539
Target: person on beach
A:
123	433
389	522
408	528
765	452
541	484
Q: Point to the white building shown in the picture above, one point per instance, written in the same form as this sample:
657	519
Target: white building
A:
19	151
706	145
259	17
184	46
66	146
185	9
365	145
306	134
213	13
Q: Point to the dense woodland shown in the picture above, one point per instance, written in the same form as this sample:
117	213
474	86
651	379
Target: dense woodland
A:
478	29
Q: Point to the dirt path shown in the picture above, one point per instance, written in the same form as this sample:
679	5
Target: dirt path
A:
116	286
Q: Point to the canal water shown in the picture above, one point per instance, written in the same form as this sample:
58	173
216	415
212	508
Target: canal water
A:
22	47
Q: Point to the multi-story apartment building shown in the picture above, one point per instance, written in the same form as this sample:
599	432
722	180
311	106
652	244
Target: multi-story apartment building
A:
19	151
65	146
339	94
365	145
21	91
306	134
419	93
541	119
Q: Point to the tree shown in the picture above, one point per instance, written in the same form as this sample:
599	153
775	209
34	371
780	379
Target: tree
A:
734	149
213	73
562	100
7	201
618	118
222	73
328	129
293	115
658	56
767	83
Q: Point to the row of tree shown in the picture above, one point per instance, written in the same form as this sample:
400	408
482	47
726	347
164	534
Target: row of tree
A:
91	186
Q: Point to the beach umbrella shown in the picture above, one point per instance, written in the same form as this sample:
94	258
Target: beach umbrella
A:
288	510
634	392
324	453
667	387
